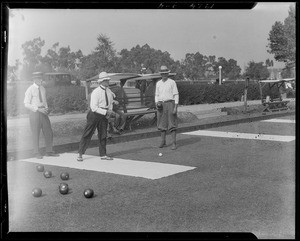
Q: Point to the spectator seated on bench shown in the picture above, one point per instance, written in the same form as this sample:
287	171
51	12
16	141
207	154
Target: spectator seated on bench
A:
140	107
118	123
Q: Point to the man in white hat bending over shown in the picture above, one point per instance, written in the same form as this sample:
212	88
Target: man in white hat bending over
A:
97	117
166	100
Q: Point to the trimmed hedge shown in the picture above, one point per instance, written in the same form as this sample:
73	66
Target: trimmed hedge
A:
65	99
193	94
61	99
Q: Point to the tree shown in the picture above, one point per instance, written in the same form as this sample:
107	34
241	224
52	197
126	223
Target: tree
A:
209	66
195	66
233	69
230	69
256	71
103	58
12	71
51	58
105	54
62	59
32	51
282	39
32	56
151	59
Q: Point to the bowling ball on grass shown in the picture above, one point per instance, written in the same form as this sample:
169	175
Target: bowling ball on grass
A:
47	174
63	188
40	168
63	184
64	176
36	192
88	193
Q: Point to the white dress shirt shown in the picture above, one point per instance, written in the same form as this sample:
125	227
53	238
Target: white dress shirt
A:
98	101
32	99
166	90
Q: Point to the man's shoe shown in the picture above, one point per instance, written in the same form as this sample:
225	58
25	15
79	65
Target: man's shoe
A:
106	158
79	158
162	145
51	154
174	147
38	156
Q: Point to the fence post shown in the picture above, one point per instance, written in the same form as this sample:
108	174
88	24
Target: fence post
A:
245	93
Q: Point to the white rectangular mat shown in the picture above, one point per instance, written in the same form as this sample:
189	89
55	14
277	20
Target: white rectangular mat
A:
241	135
150	170
280	121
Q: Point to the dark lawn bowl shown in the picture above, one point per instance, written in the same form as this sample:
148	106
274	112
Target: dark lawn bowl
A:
36	192
47	174
63	188
88	193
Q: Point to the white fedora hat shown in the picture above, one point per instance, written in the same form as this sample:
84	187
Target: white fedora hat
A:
103	76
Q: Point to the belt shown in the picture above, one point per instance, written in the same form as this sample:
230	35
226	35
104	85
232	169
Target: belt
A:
165	101
103	108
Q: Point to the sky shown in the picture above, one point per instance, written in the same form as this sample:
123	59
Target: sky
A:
233	34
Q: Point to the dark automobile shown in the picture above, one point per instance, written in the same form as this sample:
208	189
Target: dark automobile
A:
57	79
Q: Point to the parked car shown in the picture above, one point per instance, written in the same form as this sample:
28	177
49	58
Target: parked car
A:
57	79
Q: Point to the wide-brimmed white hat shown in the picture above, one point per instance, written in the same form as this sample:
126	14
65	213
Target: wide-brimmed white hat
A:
164	70
103	76
37	75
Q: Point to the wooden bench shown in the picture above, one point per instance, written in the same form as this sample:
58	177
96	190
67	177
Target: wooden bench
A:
276	105
134	109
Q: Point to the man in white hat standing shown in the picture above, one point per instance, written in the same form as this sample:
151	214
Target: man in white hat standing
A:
35	101
166	100
97	117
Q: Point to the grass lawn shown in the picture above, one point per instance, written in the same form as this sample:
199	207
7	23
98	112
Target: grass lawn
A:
237	186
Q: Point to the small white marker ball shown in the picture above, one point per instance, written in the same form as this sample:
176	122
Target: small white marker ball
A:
160	154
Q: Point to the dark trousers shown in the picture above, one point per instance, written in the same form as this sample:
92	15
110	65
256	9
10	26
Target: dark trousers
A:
94	120
40	121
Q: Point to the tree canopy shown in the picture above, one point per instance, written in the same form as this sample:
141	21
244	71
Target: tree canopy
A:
282	38
256	71
195	66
